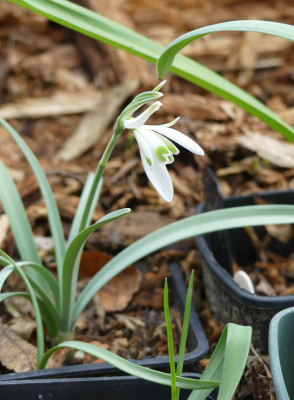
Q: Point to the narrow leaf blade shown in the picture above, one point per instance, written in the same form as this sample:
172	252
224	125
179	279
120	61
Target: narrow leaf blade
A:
188	227
129	367
98	27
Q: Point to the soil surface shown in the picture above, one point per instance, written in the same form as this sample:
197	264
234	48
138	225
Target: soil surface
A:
62	92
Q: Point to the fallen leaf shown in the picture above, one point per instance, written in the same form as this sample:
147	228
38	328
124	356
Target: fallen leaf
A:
16	354
281	232
22	326
117	293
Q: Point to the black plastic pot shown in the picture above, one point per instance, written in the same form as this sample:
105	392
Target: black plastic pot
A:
90	388
197	345
230	303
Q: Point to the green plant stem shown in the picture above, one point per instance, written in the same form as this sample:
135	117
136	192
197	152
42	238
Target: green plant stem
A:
98	175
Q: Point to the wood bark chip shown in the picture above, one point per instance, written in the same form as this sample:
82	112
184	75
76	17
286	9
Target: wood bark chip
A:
66	103
278	152
4	227
94	124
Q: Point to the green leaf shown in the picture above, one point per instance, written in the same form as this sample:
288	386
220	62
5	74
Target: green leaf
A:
39	270
74	229
98	27
38	317
188	227
53	215
170	343
4	274
71	267
7	295
185	329
18	219
129	367
271	28
227	362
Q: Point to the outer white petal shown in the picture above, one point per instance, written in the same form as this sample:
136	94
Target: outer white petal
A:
179	138
160	179
143	144
137	122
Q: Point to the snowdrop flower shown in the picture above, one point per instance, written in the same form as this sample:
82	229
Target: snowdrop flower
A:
157	149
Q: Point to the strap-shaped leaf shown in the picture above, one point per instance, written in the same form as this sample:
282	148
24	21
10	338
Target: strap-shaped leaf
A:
71	266
185	329
53	215
74	229
188	227
18	219
129	367
38	317
98	27
227	362
173	48
39	270
4	274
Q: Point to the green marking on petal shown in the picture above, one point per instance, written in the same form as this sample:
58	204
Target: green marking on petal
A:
172	148
161	153
170	159
149	161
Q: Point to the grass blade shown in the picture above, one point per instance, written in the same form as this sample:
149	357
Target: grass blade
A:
170	343
188	227
53	215
185	329
98	27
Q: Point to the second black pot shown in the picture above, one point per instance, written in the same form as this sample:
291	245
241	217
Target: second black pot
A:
230	303
197	344
90	388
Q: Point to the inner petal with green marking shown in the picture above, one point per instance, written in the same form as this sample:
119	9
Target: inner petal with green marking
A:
162	153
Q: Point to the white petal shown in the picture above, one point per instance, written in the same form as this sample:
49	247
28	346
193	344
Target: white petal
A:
160	179
179	138
156	144
145	150
137	122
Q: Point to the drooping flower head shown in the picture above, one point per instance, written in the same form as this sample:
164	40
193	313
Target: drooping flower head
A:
157	148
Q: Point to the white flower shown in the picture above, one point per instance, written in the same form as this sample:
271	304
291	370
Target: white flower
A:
157	150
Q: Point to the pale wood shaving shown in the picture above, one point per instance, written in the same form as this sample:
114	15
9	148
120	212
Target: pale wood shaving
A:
276	151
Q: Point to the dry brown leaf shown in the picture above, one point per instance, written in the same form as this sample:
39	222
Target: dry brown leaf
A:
117	293
16	354
281	232
22	326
